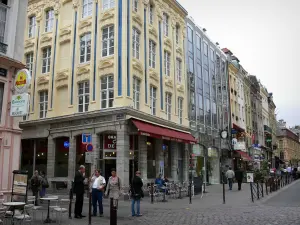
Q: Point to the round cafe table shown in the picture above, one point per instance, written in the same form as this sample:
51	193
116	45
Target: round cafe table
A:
48	220
12	206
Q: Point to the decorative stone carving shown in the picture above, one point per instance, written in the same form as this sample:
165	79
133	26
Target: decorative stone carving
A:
65	1
168	82
46	38
180	88
106	63
29	43
152	30
83	69
75	4
146	2
179	50
108	14
65	34
167	42
137	65
43	80
137	18
85	26
153	74
61	79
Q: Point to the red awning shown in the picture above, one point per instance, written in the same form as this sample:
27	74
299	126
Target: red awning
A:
151	130
244	155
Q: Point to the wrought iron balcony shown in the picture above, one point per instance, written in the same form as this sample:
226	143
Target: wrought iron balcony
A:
3	48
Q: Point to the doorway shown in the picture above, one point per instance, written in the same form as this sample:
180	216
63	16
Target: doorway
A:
109	165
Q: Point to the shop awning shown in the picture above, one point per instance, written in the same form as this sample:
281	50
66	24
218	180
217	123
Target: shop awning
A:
244	155
151	130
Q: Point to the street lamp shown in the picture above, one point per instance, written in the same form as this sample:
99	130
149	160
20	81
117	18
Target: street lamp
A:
224	136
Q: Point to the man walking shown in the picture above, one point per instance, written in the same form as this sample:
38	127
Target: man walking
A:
239	175
35	186
79	191
230	175
98	184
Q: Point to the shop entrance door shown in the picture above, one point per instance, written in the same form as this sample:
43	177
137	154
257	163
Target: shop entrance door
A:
109	165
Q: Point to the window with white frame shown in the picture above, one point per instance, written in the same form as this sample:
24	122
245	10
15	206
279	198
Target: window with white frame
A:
3	21
177	34
43	104
107	91
87	8
152	54
167	59
180	109
108	4
135	5
108	41
151	15
135	43
46	60
168	100
153	100
166	24
83	96
179	70
31	26
85	48
49	20
1	98
136	93
29	62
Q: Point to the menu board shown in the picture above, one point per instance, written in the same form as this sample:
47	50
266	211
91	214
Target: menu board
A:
20	183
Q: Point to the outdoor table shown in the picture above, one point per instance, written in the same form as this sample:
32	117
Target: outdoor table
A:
48	220
13	205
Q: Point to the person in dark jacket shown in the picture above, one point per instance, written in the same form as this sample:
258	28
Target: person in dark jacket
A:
35	186
239	175
79	191
137	193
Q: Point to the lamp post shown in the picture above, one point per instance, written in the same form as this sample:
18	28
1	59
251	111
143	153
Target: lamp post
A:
223	136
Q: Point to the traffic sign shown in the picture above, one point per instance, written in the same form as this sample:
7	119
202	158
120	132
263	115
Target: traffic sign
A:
89	147
86	138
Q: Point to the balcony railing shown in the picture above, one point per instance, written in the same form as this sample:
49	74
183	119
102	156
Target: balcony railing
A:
267	129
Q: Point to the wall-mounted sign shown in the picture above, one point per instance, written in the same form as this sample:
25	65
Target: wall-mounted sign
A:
19	105
66	144
3	72
239	145
110	141
250	178
22	81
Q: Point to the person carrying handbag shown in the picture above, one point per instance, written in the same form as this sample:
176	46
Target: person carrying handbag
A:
136	194
113	188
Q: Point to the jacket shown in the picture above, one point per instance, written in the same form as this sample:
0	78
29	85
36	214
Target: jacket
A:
230	174
137	188
78	183
239	175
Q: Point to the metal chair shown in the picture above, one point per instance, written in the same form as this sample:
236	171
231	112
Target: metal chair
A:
60	210
24	217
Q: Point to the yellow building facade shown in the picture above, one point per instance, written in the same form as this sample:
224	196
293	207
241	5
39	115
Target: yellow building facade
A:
248	112
110	62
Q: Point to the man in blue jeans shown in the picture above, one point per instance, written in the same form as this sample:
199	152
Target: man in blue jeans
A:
137	193
230	175
98	184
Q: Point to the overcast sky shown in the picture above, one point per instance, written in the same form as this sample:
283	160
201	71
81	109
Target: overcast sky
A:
264	35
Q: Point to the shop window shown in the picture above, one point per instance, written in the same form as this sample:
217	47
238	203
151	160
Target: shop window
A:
27	155
41	154
151	168
61	157
167	158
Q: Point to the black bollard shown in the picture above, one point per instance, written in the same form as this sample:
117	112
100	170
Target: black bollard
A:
90	208
179	192
251	189
152	193
257	189
224	193
267	187
113	212
70	203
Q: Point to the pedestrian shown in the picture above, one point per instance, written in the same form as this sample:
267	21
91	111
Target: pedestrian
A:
35	186
44	184
98	184
230	175
113	187
239	175
79	191
136	194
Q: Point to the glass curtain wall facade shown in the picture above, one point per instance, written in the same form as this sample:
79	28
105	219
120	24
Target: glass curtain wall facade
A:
208	100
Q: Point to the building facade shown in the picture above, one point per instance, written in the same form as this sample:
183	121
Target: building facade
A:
208	101
12	13
273	125
248	114
114	70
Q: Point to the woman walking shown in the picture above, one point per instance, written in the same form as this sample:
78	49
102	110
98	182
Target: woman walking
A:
113	186
137	193
44	184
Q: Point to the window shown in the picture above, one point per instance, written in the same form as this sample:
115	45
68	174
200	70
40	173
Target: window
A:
29	62
107	91
43	104
212	55
31	27
46	60
3	13
108	4
87	8
83	96
198	47
152	48
49	20
168	105
166	24
178	70
135	5
177	34
205	51
136	93
108	41
190	40
151	14
135	43
1	98
153	100
167	63
180	109
85	48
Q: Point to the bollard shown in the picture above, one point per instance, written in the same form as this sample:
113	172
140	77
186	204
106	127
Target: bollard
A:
70	203
190	192
152	192
224	192
90	208
180	197
251	189
257	189
267	187
113	212
262	189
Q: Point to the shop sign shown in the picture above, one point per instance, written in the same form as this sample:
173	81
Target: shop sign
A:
240	146
110	141
3	72
22	81
250	178
197	150
19	105
212	152
256	158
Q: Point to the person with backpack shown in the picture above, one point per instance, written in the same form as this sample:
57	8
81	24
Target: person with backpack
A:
35	182
44	184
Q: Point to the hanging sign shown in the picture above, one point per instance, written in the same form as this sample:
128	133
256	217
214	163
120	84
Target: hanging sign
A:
19	105
22	81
